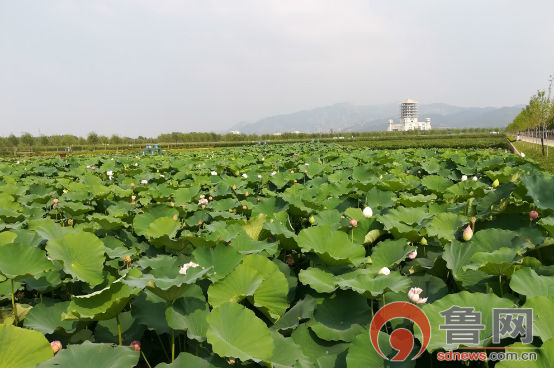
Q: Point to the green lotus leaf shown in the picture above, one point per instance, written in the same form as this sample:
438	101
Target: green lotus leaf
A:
543	318
7	317
405	215
235	331
184	196
82	255
244	244
390	252
525	281
22	348
18	261
102	304
362	354
286	352
436	184
49	229
314	348
445	225
46	317
186	360
545	356
368	281
539	188
319	280
107	222
341	317
222	258
7	237
333	247
143	223
189	313
255	226
481	302
547	223
148	309
303	309
242	282
90	355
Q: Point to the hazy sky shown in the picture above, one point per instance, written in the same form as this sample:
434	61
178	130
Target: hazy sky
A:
149	67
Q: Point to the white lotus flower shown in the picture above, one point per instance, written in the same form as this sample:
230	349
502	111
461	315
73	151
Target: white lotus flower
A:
307	164
214	173
202	201
368	212
144	181
136	163
162	176
414	297
186	266
474	178
274	173
464	177
245	176
384	271
259	176
522	154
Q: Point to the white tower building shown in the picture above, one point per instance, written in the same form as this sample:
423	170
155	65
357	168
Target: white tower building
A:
409	118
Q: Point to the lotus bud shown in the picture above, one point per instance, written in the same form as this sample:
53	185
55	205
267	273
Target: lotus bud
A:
135	345
210	198
495	183
464	177
468	233
368	212
295	181
380	177
306	172
312	220
413	254
353	223
56	346
234	187
246	194
259	177
423	241
384	271
533	215
474	178
258	199
244	208
200	222
132	185
414	297
522	154
292	171
70	222
175	217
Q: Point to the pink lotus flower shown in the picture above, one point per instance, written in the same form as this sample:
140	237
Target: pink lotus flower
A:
468	233
132	185
413	254
353	223
144	181
533	215
414	297
56	346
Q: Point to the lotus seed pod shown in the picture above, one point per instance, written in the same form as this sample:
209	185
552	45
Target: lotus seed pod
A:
473	219
423	241
368	212
312	220
533	215
468	233
495	183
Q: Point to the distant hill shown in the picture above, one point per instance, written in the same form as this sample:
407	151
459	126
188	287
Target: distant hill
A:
345	117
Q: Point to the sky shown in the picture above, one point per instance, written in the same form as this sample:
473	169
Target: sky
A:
147	67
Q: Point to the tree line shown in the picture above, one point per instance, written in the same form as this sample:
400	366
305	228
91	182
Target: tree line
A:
27	140
538	114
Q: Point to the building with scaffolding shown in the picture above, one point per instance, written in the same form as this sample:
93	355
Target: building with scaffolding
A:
409	118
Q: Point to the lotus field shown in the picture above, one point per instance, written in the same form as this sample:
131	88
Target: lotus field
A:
274	256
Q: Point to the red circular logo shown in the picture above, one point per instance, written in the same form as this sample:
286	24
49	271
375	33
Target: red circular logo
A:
400	339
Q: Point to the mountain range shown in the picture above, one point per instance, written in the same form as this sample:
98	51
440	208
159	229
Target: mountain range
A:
345	117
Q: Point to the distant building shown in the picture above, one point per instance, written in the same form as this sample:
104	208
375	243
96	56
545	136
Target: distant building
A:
409	119
236	132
